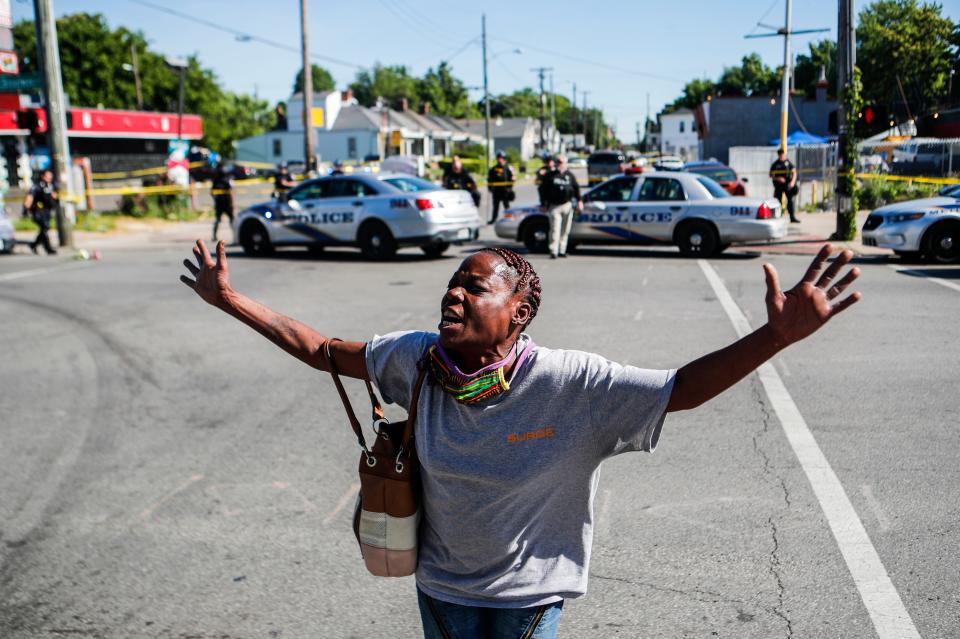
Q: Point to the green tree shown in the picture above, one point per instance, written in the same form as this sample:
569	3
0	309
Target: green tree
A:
823	55
908	40
752	77
694	93
322	80
446	93
92	57
390	82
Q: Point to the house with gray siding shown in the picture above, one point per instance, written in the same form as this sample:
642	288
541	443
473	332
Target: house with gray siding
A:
723	122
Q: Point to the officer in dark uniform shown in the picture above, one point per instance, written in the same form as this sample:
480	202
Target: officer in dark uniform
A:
337	168
548	166
500	183
784	176
456	177
40	204
221	188
282	181
560	195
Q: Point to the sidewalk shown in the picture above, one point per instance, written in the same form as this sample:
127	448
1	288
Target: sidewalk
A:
807	237
134	235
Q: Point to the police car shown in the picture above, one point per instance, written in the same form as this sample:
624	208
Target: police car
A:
7	240
376	212
928	228
661	207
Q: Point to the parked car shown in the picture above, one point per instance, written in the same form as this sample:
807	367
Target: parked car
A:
927	228
659	207
7	240
719	173
604	164
376	212
668	163
576	162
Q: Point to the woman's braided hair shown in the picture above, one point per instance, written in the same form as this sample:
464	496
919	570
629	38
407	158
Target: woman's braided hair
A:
528	282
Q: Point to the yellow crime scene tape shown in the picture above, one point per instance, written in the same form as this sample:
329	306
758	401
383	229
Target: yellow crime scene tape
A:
153	170
920	179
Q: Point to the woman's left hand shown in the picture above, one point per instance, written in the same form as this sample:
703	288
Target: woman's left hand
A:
799	312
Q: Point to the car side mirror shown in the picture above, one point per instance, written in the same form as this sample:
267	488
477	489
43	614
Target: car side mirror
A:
293	204
745	179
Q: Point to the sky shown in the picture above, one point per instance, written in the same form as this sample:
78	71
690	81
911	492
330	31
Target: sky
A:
621	52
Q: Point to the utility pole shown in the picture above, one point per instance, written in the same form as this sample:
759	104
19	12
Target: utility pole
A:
308	148
786	32
553	109
785	81
56	116
584	112
846	63
541	71
573	114
638	136
486	95
136	75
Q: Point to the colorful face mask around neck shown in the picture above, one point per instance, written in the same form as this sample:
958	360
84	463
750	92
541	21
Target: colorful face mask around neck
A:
487	382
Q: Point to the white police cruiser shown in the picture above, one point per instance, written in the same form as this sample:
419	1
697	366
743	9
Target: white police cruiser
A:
376	212
928	228
660	207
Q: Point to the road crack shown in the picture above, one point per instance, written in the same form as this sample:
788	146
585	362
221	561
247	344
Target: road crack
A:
774	564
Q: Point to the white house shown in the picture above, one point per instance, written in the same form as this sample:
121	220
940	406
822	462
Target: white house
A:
678	134
348	131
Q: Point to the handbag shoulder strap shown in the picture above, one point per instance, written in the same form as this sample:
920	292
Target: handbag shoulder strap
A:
377	409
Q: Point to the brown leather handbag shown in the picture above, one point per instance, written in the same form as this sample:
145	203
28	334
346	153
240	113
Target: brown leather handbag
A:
387	513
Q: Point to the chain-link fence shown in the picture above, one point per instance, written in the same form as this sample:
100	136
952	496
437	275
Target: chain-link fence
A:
928	160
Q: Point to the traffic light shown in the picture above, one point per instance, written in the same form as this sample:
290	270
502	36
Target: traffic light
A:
871	119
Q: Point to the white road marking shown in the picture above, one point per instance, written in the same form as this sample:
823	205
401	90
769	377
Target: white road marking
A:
16	275
783	366
638	316
875	506
929	278
882	601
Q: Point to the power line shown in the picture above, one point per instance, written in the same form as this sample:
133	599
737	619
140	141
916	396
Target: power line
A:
602	65
242	35
412	23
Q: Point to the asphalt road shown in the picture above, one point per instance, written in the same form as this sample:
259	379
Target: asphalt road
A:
166	472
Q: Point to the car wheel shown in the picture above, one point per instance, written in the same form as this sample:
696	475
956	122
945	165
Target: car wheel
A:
376	241
536	234
435	249
697	239
943	243
255	240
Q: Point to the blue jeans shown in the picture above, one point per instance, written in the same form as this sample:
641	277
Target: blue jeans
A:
442	620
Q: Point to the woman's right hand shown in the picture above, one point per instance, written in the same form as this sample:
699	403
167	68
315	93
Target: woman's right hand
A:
212	279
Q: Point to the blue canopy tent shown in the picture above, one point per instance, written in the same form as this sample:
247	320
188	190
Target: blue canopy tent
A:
800	137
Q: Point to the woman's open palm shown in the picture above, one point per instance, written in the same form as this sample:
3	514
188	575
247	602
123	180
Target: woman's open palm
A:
211	279
806	307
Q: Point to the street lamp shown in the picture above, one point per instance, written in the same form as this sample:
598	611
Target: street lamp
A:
180	65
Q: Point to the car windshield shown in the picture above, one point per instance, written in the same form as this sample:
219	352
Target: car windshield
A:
718	173
715	189
411	184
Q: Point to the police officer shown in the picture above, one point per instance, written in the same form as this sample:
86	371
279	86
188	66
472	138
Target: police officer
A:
40	204
784	176
282	181
560	194
456	177
337	168
221	188
500	183
548	166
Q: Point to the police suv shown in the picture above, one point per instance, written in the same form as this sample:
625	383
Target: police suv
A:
929	228
661	207
376	212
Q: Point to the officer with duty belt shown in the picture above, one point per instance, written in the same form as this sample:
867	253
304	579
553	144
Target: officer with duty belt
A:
784	176
500	183
457	177
560	195
40	204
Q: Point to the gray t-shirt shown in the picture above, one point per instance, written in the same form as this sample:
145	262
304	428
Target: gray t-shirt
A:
508	485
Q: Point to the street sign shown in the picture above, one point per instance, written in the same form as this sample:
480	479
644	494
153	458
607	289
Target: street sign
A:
22	82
